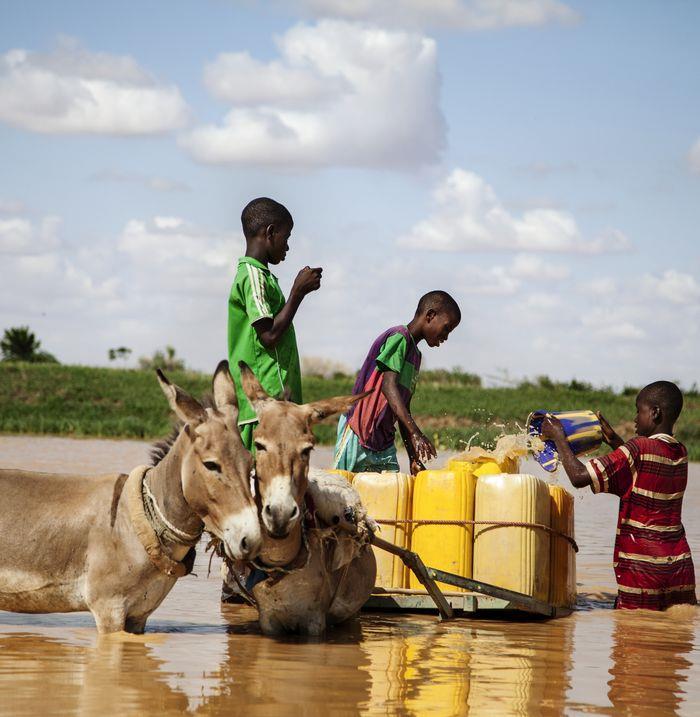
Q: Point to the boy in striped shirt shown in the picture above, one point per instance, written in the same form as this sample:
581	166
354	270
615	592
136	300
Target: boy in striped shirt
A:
260	330
652	560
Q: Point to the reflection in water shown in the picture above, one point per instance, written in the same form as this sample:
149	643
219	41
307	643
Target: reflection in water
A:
200	658
468	667
420	668
288	676
650	660
521	669
43	675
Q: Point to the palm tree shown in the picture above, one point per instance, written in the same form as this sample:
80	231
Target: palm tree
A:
20	344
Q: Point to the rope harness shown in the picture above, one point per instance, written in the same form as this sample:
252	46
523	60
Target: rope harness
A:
152	528
163	528
491	523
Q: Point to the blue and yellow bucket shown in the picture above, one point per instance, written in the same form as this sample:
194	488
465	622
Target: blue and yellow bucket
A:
582	429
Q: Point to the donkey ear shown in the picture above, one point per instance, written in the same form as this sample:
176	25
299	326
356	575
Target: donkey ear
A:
251	386
318	410
185	407
224	390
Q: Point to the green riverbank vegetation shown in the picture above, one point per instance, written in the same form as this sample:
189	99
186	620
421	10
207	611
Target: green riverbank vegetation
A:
450	406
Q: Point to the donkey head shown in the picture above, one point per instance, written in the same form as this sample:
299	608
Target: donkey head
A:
215	467
283	444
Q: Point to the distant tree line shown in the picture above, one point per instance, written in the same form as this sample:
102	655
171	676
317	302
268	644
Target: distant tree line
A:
20	344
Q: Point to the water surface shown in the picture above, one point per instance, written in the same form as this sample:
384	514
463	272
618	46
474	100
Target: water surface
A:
201	658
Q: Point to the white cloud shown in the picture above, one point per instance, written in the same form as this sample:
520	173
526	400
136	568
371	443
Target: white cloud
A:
19	235
506	280
73	91
41	273
674	286
494	281
694	157
604	324
469	216
599	286
528	266
189	259
451	14
240	79
339	94
163	280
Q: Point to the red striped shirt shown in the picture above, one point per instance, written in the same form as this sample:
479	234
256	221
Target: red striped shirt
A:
652	561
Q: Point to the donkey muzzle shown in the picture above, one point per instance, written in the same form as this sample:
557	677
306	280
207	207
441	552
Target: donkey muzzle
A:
242	536
279	519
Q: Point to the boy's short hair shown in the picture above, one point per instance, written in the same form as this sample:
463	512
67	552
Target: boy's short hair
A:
259	213
440	302
666	395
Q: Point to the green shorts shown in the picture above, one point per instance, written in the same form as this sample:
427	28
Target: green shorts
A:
351	456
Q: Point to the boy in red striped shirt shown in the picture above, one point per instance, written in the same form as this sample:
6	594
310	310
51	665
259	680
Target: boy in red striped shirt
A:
649	473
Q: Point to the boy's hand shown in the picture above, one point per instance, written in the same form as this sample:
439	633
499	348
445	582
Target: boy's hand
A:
609	434
552	429
416	466
423	449
307	280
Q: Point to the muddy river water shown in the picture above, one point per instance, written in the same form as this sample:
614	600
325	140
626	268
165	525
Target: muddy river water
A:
199	657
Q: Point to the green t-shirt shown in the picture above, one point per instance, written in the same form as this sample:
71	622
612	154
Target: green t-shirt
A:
255	295
392	357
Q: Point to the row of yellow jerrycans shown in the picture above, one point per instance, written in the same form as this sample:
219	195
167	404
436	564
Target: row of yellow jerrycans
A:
527	560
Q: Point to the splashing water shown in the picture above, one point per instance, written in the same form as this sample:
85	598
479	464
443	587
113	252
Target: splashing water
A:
508	446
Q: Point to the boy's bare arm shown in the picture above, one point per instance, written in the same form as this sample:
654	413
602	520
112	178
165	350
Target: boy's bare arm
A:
416	465
575	469
271	330
423	449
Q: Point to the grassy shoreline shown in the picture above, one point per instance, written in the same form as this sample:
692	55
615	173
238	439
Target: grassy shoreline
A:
85	401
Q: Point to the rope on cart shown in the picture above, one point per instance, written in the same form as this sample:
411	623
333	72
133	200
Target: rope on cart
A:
491	523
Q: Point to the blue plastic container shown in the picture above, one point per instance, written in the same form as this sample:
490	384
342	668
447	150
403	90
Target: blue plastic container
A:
582	429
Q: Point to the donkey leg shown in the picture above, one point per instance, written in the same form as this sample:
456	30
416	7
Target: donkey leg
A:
270	625
109	616
135	625
315	625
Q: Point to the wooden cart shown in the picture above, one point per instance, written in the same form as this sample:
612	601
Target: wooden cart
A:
479	596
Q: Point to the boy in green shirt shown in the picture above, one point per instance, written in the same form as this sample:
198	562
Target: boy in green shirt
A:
366	434
260	330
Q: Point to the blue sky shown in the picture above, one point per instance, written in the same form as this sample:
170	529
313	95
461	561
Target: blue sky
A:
538	159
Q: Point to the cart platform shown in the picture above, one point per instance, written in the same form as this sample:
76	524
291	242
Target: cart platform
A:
401	600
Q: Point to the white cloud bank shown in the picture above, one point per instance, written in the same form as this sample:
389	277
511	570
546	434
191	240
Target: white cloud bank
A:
160	280
339	94
73	91
469	216
19	235
674	286
451	14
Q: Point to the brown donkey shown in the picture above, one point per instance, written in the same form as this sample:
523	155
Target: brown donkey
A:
115	544
317	576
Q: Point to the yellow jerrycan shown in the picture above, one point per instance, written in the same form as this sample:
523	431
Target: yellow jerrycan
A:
444	495
348	475
562	570
516	558
387	496
486	465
